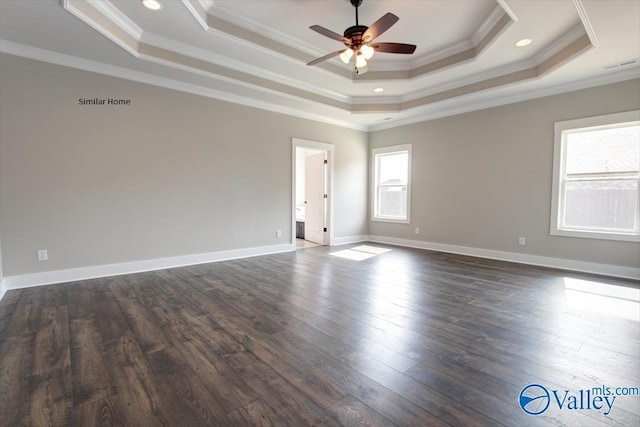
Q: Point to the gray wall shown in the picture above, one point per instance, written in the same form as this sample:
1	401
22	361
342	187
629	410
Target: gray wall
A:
483	179
176	174
173	174
1	272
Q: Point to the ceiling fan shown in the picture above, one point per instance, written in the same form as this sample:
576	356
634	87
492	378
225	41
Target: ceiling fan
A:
358	40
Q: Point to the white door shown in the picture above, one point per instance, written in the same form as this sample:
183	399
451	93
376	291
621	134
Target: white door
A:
314	198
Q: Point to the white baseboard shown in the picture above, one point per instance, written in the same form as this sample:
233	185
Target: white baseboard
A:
85	273
337	241
3	288
559	263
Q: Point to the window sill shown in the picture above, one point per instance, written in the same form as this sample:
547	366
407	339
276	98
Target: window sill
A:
601	235
391	220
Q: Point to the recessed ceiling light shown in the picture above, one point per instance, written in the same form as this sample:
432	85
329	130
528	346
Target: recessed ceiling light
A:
523	42
378	89
152	4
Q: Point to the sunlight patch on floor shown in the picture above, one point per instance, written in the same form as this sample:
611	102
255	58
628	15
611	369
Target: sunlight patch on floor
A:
360	253
618	301
371	249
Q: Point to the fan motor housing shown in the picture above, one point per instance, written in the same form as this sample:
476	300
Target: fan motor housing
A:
355	34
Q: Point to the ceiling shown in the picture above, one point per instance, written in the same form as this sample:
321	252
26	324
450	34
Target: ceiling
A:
254	52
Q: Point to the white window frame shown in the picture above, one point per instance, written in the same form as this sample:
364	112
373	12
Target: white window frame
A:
374	182
561	129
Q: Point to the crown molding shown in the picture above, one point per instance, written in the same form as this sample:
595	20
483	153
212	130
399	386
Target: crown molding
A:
441	109
117	30
457	55
262	30
224	95
435	110
559	44
586	22
206	4
229	30
117	17
198	11
240	67
465	81
492	20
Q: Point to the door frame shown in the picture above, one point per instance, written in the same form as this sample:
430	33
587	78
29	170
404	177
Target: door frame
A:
329	149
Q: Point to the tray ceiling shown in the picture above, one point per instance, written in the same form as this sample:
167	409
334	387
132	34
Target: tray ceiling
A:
254	52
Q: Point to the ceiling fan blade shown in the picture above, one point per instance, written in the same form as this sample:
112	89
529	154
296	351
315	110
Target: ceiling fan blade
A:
327	56
380	26
394	47
329	33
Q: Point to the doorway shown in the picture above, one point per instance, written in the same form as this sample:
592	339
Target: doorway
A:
311	193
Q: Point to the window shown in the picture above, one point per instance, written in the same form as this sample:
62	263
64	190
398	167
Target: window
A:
595	180
391	183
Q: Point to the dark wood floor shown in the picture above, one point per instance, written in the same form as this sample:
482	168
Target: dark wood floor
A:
407	337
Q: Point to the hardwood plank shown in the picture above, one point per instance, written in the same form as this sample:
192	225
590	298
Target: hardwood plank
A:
136	387
109	318
187	401
314	385
290	405
226	387
90	373
148	334
26	315
49	402
392	406
330	345
232	352
8	306
184	391
52	341
16	361
475	398
430	400
256	413
351	412
102	411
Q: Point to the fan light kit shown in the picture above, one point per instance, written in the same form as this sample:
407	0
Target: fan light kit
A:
358	38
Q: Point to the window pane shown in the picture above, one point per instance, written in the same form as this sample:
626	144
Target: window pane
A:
392	202
604	150
393	168
601	204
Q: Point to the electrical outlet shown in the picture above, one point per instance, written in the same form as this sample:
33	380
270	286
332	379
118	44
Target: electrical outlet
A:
417	230
42	255
278	233
521	241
